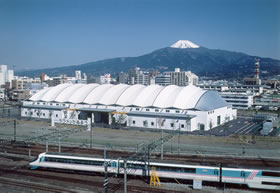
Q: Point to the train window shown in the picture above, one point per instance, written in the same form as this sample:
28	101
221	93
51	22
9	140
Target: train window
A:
271	183
216	172
135	166
173	169
189	170
74	161
275	174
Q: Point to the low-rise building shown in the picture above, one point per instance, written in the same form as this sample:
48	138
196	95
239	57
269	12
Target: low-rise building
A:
238	100
187	108
19	94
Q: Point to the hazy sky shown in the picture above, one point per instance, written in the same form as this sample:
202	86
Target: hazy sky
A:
49	33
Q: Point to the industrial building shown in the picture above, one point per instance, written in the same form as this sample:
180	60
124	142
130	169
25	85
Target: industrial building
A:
172	107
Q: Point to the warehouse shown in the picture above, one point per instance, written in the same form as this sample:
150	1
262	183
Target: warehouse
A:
172	107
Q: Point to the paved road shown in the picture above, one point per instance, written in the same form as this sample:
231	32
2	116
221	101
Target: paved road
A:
239	126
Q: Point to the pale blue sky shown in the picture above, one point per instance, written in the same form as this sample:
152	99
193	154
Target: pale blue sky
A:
49	33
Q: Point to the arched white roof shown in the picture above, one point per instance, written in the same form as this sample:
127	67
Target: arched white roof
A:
111	96
167	96
189	97
96	94
65	95
80	94
210	100
54	92
148	95
129	95
39	95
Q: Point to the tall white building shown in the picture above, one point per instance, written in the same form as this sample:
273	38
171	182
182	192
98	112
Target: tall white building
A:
5	75
137	76
163	79
182	78
78	75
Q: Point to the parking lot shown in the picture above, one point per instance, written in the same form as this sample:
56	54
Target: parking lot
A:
242	126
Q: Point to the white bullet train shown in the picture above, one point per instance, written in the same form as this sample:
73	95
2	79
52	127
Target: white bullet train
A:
253	178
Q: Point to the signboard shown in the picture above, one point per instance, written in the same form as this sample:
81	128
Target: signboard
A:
197	184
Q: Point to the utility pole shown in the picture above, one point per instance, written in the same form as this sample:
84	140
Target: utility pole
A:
179	140
125	177
161	152
47	141
15	130
106	177
89	126
148	160
59	145
47	144
91	134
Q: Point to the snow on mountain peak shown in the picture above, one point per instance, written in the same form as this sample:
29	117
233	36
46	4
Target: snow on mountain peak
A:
184	44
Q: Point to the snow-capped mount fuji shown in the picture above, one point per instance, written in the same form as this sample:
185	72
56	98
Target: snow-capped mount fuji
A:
184	44
202	61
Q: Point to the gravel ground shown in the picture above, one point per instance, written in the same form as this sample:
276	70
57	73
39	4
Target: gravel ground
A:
131	139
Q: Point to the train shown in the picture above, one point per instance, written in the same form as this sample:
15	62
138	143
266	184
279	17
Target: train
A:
252	178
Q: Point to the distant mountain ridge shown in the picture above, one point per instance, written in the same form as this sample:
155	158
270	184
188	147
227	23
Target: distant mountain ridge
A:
187	56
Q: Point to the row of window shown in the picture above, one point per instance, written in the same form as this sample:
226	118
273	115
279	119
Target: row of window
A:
37	113
146	124
73	161
232	101
157	110
56	104
235	97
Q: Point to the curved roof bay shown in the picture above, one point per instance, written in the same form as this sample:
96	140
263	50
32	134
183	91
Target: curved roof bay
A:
188	97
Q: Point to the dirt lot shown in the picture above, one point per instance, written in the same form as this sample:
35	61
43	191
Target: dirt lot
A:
132	139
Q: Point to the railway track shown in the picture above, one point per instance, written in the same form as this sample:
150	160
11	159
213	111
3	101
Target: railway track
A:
36	149
33	186
114	185
88	182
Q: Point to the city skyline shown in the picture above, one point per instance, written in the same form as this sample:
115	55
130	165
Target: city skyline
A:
42	34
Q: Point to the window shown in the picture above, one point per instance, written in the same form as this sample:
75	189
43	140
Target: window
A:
219	120
201	127
44	114
56	115
145	123
171	124
177	111
133	122
147	109
167	110
271	183
156	110
137	109
152	123
176	169
182	126
275	174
